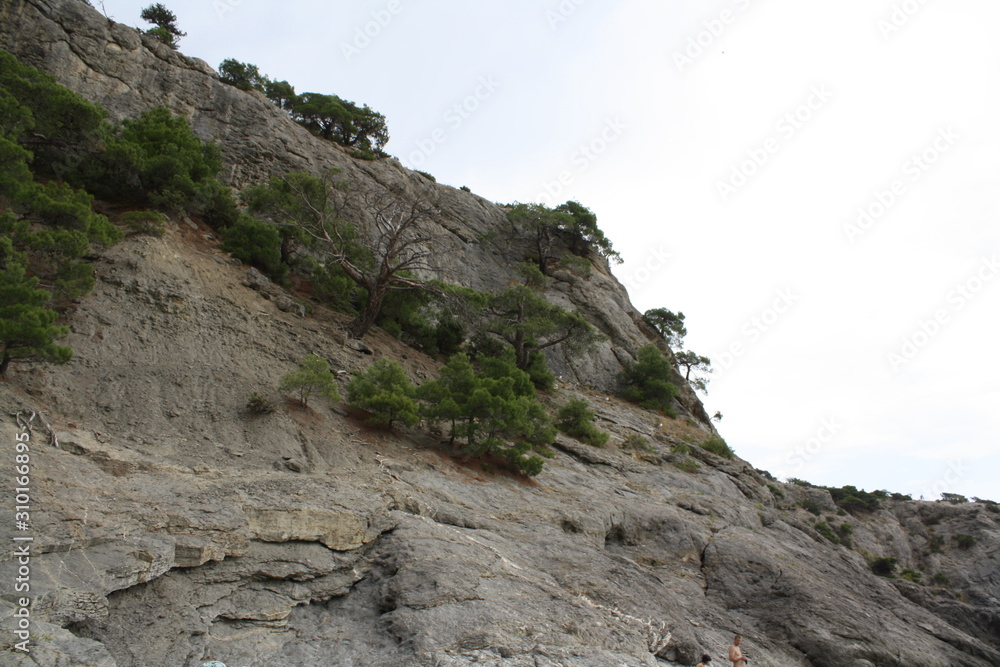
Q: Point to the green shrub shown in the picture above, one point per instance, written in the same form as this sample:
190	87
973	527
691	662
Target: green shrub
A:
57	125
647	381
940	579
824	529
578	265
258	244
811	506
429	177
157	159
845	531
680	448
27	328
538	370
936	543
46	226
853	500
332	286
800	482
884	566
912	575
493	409
992	506
259	405
385	391
144	222
965	541
687	465
637	443
313	377
576	420
719	447
776	490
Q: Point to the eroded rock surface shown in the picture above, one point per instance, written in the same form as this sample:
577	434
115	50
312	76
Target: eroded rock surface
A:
172	527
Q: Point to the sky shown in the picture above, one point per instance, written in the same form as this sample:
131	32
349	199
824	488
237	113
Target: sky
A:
814	185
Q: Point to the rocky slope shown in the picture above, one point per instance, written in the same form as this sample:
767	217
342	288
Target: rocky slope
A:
172	528
128	73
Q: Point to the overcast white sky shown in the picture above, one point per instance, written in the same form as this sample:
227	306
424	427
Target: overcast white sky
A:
727	148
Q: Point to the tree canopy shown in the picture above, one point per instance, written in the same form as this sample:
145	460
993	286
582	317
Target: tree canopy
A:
692	361
386	393
27	327
312	377
379	255
46	225
647	380
571	223
493	410
669	324
327	116
165	24
344	122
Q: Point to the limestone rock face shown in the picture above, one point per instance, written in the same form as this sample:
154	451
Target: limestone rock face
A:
128	72
171	531
174	527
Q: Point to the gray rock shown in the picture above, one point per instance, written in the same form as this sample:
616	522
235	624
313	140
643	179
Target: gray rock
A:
158	546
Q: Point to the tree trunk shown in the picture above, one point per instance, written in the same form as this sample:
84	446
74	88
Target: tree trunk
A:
364	321
4	364
286	248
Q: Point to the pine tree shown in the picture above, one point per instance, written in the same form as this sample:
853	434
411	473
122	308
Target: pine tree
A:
166	29
313	377
385	392
494	411
27	329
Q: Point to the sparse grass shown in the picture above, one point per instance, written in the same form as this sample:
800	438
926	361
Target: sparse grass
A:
637	443
719	447
687	465
823	529
680	448
144	222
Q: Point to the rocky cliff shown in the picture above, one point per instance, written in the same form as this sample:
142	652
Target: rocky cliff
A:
171	527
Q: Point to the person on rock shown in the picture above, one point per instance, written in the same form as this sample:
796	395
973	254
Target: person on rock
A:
736	654
705	660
